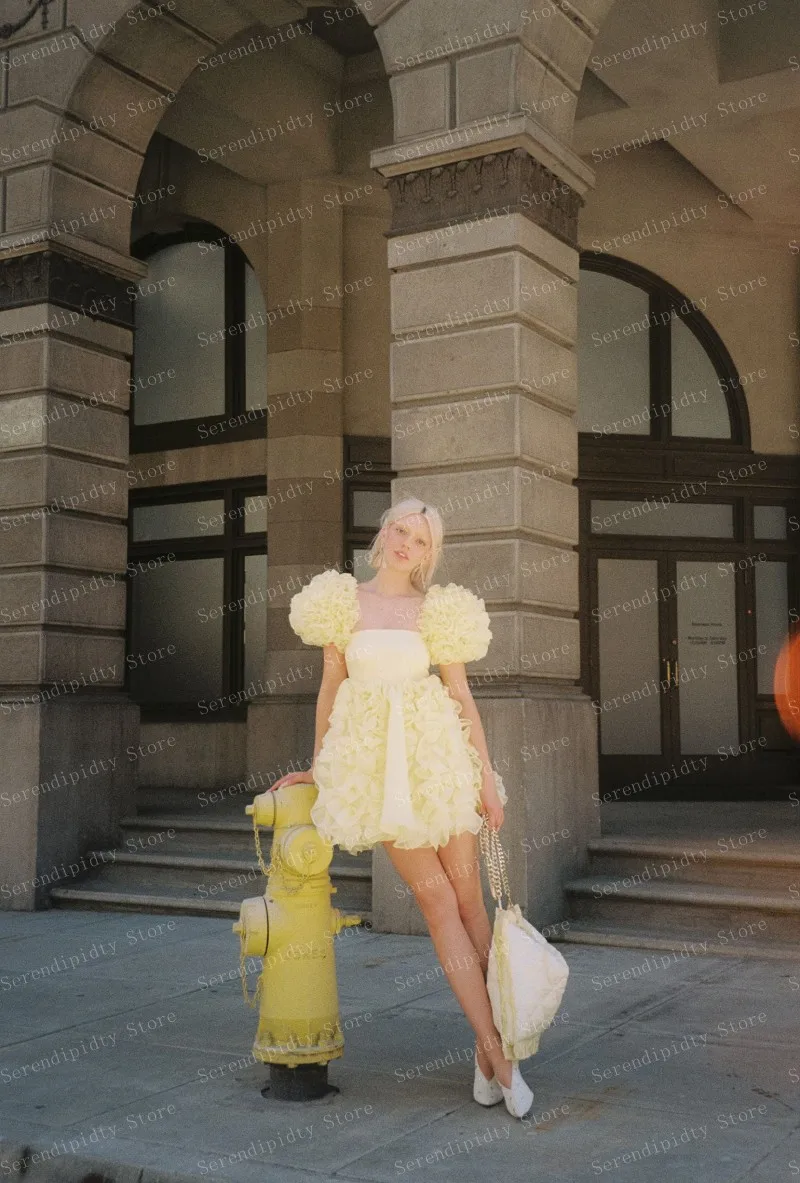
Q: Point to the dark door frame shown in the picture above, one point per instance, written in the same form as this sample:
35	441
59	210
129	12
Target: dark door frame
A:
775	761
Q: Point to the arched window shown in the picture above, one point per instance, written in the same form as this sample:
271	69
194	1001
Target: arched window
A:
687	559
650	364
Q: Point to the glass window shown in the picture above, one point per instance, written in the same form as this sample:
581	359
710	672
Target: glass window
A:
698	403
179	519
652	516
772	619
200	346
175	375
649	363
633	726
198	584
368	505
256	596
255	513
255	342
707	677
361	568
367	493
769	521
613	356
182	651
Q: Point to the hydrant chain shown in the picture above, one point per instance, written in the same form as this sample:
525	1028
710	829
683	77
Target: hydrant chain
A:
265	870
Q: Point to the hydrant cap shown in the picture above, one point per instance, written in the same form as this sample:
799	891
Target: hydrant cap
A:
304	851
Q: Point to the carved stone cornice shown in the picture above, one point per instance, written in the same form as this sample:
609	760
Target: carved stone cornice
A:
484	186
49	277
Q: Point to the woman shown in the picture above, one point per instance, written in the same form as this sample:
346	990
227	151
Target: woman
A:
400	755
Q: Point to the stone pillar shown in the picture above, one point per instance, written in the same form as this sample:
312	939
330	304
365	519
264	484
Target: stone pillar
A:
65	724
304	452
484	391
484	268
75	122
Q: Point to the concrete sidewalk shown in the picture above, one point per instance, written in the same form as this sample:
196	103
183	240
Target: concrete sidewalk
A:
661	1067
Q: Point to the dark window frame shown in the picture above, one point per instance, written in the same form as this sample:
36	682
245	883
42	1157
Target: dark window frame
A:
360	450
233	546
620	467
185	433
663	297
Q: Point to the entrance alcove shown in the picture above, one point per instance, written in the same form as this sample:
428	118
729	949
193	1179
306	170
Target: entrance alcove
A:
265	449
689	571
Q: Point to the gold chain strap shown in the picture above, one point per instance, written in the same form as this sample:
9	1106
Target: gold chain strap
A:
495	859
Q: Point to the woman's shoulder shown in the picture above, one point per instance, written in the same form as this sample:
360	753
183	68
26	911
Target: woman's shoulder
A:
454	623
325	610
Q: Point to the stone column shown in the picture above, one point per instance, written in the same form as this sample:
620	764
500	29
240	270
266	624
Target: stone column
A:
75	122
484	390
304	452
484	267
65	781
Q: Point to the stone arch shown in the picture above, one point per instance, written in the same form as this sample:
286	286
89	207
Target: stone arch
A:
121	93
460	61
101	106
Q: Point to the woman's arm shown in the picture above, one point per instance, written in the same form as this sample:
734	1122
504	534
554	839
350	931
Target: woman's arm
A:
454	678
334	672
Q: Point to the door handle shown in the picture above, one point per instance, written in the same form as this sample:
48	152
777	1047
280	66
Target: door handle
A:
669	663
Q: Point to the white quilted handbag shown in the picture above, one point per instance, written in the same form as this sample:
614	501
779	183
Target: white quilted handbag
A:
527	975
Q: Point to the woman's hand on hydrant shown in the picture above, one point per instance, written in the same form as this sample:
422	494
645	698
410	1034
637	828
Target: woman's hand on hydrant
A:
490	800
293	778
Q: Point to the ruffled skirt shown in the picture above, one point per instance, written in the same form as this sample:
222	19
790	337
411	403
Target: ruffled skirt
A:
445	772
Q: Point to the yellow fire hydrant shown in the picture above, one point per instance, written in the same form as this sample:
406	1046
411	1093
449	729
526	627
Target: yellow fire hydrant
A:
292	927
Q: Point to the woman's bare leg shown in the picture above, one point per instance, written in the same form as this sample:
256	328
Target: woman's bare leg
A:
433	889
462	867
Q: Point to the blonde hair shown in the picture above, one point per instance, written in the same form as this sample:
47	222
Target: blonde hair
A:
421	575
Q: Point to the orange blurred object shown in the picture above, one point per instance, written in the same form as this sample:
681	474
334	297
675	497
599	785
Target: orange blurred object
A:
787	685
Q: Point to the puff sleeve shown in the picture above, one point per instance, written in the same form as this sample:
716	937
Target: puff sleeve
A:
326	610
454	624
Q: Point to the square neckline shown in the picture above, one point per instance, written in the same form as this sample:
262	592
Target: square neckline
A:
356	631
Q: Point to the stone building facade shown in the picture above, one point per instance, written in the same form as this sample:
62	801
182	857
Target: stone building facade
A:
401	205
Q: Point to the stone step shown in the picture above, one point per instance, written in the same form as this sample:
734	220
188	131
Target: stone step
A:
188	834
224	861
699	910
225	801
162	900
588	932
203	878
756	865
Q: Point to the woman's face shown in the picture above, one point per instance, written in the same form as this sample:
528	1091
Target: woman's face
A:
407	542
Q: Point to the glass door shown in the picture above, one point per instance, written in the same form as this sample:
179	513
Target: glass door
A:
681	653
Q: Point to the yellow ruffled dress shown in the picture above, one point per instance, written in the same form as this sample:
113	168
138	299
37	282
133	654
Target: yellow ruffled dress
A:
396	763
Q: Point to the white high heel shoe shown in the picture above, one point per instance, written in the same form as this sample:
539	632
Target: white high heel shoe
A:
486	1092
518	1097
